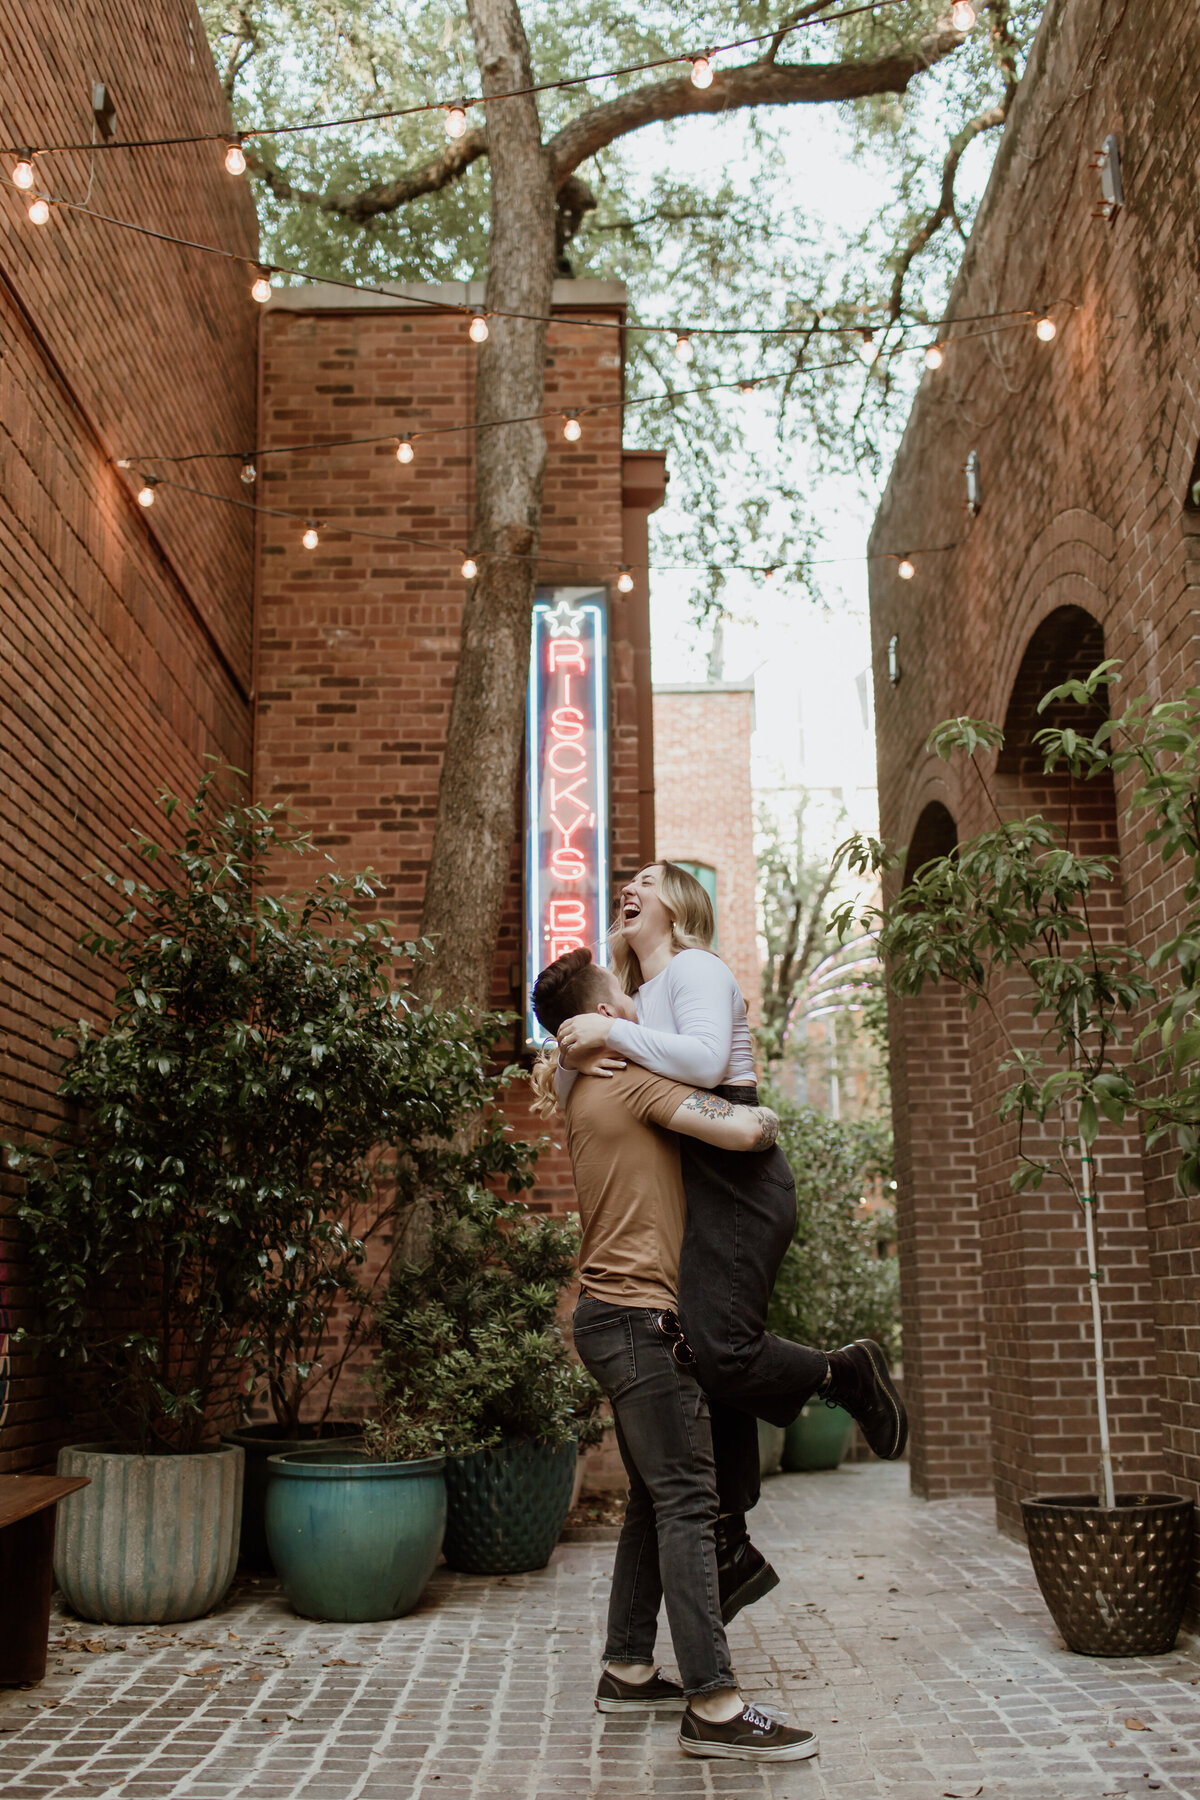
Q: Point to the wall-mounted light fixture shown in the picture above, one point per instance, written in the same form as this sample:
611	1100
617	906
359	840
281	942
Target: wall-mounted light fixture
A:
104	109
893	656
974	489
1108	161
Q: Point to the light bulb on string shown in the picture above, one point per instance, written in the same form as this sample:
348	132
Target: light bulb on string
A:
260	287
470	568
683	347
746	387
868	349
146	491
624	579
477	330
572	429
934	357
404	450
702	72
769	572
311	537
235	157
906	569
39	212
963	15
1046	329
456	119
23	171
249	472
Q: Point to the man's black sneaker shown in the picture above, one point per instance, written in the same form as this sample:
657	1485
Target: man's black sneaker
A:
861	1384
744	1575
752	1735
656	1695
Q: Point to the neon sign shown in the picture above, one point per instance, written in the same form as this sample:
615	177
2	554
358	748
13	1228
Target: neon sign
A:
566	785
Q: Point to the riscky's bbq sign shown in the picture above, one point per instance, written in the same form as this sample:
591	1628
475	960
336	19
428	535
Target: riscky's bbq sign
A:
566	785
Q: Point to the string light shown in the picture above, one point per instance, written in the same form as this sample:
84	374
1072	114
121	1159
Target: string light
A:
963	15
572	429
746	387
235	157
249	472
905	569
311	537
702	73
934	357
624	579
868	350
39	212
456	119
260	287
477	330
683	347
1046	329
404	450
23	171
470	568
146	491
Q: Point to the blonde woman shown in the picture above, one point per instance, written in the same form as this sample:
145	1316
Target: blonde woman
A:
741	1210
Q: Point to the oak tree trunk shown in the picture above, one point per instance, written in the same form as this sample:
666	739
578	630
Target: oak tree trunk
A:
473	837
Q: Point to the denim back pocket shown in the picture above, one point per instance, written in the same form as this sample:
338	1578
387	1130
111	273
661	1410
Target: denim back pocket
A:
605	1347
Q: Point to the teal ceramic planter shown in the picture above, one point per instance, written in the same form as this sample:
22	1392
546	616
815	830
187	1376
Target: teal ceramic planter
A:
354	1539
818	1438
506	1505
258	1443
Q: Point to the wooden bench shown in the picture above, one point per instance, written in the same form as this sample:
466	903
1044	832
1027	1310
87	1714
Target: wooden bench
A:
27	1509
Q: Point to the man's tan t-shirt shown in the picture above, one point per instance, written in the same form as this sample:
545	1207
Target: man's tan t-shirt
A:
629	1184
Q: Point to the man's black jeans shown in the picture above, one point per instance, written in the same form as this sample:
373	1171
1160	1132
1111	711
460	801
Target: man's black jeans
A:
741	1213
667	1546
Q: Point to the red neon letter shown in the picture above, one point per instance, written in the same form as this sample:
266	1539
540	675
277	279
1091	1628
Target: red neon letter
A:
568	915
566	723
567	863
566	768
560	946
567	653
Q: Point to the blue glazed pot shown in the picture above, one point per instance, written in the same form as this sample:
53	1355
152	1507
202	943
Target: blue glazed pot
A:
354	1539
507	1505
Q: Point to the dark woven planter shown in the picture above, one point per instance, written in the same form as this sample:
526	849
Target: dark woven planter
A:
505	1507
1115	1580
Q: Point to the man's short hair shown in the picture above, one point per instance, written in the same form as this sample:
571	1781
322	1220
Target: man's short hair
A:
573	984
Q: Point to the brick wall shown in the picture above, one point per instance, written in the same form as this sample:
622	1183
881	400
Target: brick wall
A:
1082	548
358	640
704	807
125	635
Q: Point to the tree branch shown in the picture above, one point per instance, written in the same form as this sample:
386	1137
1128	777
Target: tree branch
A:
242	51
753	84
989	119
385	197
789	24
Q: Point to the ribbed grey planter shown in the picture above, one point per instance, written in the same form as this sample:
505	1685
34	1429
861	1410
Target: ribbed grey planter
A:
153	1539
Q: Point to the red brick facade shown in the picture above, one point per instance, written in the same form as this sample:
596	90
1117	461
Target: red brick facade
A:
126	634
704	806
1081	549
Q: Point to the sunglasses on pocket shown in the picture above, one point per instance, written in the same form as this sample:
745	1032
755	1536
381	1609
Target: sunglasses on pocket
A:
669	1324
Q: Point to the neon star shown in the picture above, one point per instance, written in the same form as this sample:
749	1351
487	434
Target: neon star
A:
564	620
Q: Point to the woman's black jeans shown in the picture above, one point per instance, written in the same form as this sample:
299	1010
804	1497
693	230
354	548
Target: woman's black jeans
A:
667	1547
741	1213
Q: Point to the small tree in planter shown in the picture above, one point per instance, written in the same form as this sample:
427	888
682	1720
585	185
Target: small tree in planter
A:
1017	903
262	1104
480	1309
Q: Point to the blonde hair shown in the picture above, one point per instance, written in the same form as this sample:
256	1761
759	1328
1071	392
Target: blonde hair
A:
541	1080
693	926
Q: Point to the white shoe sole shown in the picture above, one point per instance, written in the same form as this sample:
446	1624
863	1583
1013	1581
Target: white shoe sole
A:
641	1706
785	1752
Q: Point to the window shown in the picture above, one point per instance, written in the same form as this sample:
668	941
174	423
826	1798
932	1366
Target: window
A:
707	877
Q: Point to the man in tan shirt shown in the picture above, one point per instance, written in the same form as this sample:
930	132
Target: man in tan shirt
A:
627	1176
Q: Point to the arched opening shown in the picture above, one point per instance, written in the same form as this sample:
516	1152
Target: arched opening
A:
937	1220
1043	1418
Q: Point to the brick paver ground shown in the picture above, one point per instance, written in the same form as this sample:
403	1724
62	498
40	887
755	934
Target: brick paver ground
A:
910	1636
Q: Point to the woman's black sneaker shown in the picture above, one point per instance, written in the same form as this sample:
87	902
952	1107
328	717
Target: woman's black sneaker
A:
744	1575
861	1384
656	1695
751	1735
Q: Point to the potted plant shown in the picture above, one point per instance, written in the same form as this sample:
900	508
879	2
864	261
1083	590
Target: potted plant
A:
1015	906
214	1191
487	1289
834	1285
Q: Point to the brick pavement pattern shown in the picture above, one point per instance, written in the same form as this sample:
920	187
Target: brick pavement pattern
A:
909	1635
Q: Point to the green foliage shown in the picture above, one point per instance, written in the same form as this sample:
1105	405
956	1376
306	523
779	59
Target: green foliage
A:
721	221
833	1285
264	1103
470	1345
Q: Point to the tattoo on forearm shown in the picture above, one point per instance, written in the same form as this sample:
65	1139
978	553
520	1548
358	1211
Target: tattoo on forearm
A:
768	1127
709	1106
